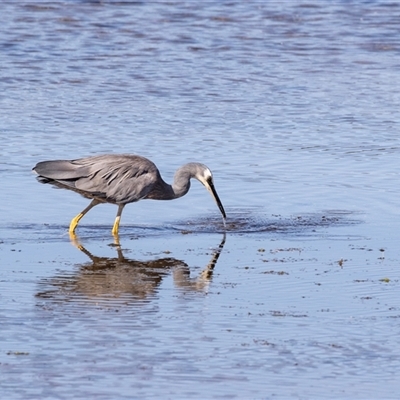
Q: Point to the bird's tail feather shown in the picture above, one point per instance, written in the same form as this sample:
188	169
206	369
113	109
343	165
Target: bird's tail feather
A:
58	170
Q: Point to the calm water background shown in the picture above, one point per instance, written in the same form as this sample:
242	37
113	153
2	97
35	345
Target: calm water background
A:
294	106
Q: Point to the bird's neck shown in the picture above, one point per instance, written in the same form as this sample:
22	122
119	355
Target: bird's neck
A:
165	191
181	183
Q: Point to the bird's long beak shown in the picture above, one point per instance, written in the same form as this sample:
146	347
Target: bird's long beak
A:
210	187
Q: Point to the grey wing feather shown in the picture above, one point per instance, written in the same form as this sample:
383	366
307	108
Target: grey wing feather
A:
59	169
121	182
113	178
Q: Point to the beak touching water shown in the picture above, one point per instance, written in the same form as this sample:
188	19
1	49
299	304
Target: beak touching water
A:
210	187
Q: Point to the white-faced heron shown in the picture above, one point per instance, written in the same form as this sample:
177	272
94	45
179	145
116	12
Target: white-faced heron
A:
121	179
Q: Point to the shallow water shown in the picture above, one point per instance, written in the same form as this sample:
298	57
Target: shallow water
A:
294	108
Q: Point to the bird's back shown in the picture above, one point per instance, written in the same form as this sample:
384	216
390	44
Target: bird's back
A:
115	178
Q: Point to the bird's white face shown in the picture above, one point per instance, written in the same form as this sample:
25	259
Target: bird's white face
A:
207	174
205	177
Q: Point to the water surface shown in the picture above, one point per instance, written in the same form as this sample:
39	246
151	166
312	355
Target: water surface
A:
294	107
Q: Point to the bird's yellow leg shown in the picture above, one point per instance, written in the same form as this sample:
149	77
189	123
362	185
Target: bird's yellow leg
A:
117	220
117	243
75	221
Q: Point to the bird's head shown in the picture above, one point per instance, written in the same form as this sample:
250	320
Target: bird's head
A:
204	175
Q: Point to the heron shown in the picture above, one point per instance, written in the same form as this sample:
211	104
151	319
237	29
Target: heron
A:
121	179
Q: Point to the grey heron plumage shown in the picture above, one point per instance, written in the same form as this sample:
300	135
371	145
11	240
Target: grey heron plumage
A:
121	179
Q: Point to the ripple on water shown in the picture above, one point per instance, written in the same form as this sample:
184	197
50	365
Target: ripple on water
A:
239	221
253	221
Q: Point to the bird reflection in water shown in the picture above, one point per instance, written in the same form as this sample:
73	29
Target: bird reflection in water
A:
121	279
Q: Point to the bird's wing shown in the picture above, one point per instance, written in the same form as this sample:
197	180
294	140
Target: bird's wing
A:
120	179
115	178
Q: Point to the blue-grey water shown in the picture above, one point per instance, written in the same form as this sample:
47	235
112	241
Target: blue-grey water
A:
294	106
